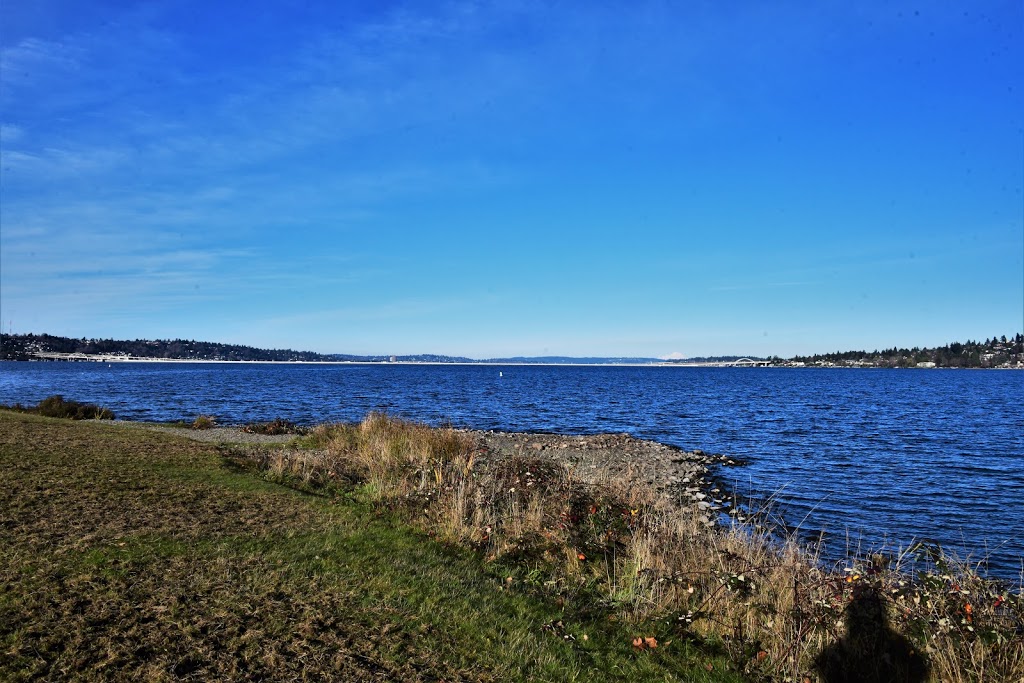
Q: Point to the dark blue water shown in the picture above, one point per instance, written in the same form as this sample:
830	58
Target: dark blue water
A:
877	458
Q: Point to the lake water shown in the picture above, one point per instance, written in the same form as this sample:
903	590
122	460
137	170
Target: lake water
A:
877	458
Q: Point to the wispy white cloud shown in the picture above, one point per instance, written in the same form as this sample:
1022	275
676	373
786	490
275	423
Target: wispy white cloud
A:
32	60
10	134
365	83
402	71
55	163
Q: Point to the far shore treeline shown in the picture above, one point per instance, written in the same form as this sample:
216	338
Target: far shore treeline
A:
997	352
30	346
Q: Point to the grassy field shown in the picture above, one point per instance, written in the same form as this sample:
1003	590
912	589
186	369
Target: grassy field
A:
133	555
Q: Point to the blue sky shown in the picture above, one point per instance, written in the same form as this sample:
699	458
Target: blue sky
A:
491	179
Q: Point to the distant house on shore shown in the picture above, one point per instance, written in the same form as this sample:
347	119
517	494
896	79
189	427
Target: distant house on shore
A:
926	364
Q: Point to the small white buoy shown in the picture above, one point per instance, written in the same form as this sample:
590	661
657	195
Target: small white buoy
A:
499	374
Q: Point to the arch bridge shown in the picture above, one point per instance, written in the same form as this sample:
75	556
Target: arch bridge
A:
748	363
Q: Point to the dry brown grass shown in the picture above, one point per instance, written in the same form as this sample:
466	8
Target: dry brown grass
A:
204	422
769	601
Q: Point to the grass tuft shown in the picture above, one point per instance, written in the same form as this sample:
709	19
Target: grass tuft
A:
204	422
275	427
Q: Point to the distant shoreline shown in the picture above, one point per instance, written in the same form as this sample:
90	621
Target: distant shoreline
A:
84	358
1002	353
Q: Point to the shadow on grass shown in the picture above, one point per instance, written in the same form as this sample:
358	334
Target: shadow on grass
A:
870	652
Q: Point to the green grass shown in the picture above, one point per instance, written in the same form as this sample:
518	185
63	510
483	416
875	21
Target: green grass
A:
134	555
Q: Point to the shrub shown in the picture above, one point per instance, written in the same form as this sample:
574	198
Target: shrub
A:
58	406
274	428
393	456
204	422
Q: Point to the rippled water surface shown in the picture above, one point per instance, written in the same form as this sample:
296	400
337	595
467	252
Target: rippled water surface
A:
873	456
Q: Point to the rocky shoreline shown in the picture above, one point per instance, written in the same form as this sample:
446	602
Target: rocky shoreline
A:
683	478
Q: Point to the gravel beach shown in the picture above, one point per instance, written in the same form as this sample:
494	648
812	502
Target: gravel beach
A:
681	477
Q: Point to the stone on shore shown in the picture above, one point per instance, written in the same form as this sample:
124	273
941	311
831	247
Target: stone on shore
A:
682	477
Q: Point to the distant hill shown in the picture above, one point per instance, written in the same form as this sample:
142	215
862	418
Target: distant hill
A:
570	360
997	352
30	346
430	358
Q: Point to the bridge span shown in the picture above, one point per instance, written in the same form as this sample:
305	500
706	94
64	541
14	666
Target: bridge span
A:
738	363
